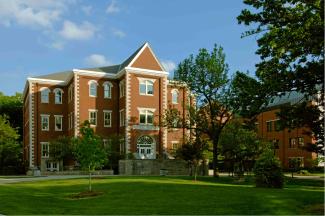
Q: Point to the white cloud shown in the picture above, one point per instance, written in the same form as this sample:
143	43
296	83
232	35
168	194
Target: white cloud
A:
97	60
169	65
87	9
59	45
72	31
33	13
112	7
118	33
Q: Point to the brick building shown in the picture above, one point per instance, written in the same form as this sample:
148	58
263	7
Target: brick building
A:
126	99
288	143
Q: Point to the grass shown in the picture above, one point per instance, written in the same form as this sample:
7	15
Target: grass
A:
162	195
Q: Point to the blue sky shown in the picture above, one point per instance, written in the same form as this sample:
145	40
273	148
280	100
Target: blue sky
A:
44	36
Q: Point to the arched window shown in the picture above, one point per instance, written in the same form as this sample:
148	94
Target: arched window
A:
58	95
175	96
92	88
107	89
45	95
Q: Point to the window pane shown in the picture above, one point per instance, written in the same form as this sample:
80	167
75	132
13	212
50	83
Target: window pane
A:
142	88
149	88
149	118
58	97
45	96
142	118
93	89
175	97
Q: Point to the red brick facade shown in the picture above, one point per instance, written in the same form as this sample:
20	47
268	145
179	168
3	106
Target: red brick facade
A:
99	93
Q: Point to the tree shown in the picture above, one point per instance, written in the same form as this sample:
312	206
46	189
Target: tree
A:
62	149
10	150
89	152
12	107
291	46
113	151
206	76
239	145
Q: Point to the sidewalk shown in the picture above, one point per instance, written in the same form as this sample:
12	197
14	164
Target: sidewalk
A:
41	178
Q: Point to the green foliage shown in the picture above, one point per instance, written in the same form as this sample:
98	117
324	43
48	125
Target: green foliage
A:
268	171
62	148
12	107
10	149
239	145
113	152
291	46
206	76
88	151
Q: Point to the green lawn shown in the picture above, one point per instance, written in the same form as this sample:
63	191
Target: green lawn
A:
162	195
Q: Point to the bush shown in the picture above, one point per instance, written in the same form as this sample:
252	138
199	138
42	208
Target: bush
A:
303	172
268	171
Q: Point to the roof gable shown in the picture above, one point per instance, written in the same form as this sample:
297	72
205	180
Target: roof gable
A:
146	59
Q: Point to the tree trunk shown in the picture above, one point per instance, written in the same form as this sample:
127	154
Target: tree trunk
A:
89	179
215	157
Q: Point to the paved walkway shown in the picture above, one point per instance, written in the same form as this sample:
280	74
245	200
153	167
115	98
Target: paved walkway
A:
41	178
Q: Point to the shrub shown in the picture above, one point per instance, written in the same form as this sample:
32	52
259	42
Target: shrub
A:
303	172
268	171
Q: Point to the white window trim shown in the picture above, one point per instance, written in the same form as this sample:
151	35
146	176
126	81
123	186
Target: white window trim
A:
110	85
122	125
146	110
90	111
110	119
145	81
48	149
89	87
55	122
55	92
174	142
173	91
48	122
48	94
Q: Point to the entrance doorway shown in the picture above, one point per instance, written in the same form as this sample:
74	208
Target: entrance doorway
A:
146	147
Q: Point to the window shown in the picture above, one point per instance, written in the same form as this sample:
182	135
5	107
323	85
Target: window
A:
45	95
175	145
175	96
296	160
45	149
122	118
58	122
93	117
122	146
276	143
92	88
122	88
45	122
292	143
71	120
146	116
301	141
268	126
107	118
107	89
58	96
70	93
277	125
146	87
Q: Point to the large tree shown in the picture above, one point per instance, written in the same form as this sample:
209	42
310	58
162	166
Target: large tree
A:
206	76
290	38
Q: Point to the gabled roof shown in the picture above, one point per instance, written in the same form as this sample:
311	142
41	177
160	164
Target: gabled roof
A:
62	76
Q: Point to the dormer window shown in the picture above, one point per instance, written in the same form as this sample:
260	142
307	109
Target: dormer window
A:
175	96
58	95
92	88
45	95
146	86
107	89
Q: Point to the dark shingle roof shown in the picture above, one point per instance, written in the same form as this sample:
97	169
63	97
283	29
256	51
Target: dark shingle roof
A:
289	97
62	76
114	69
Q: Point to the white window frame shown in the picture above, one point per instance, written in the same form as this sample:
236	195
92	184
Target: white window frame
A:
122	88
45	116
60	117
45	146
108	85
89	116
173	92
90	84
122	118
55	95
45	90
146	111
176	143
109	112
146	82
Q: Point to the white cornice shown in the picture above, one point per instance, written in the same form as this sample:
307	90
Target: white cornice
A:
146	71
